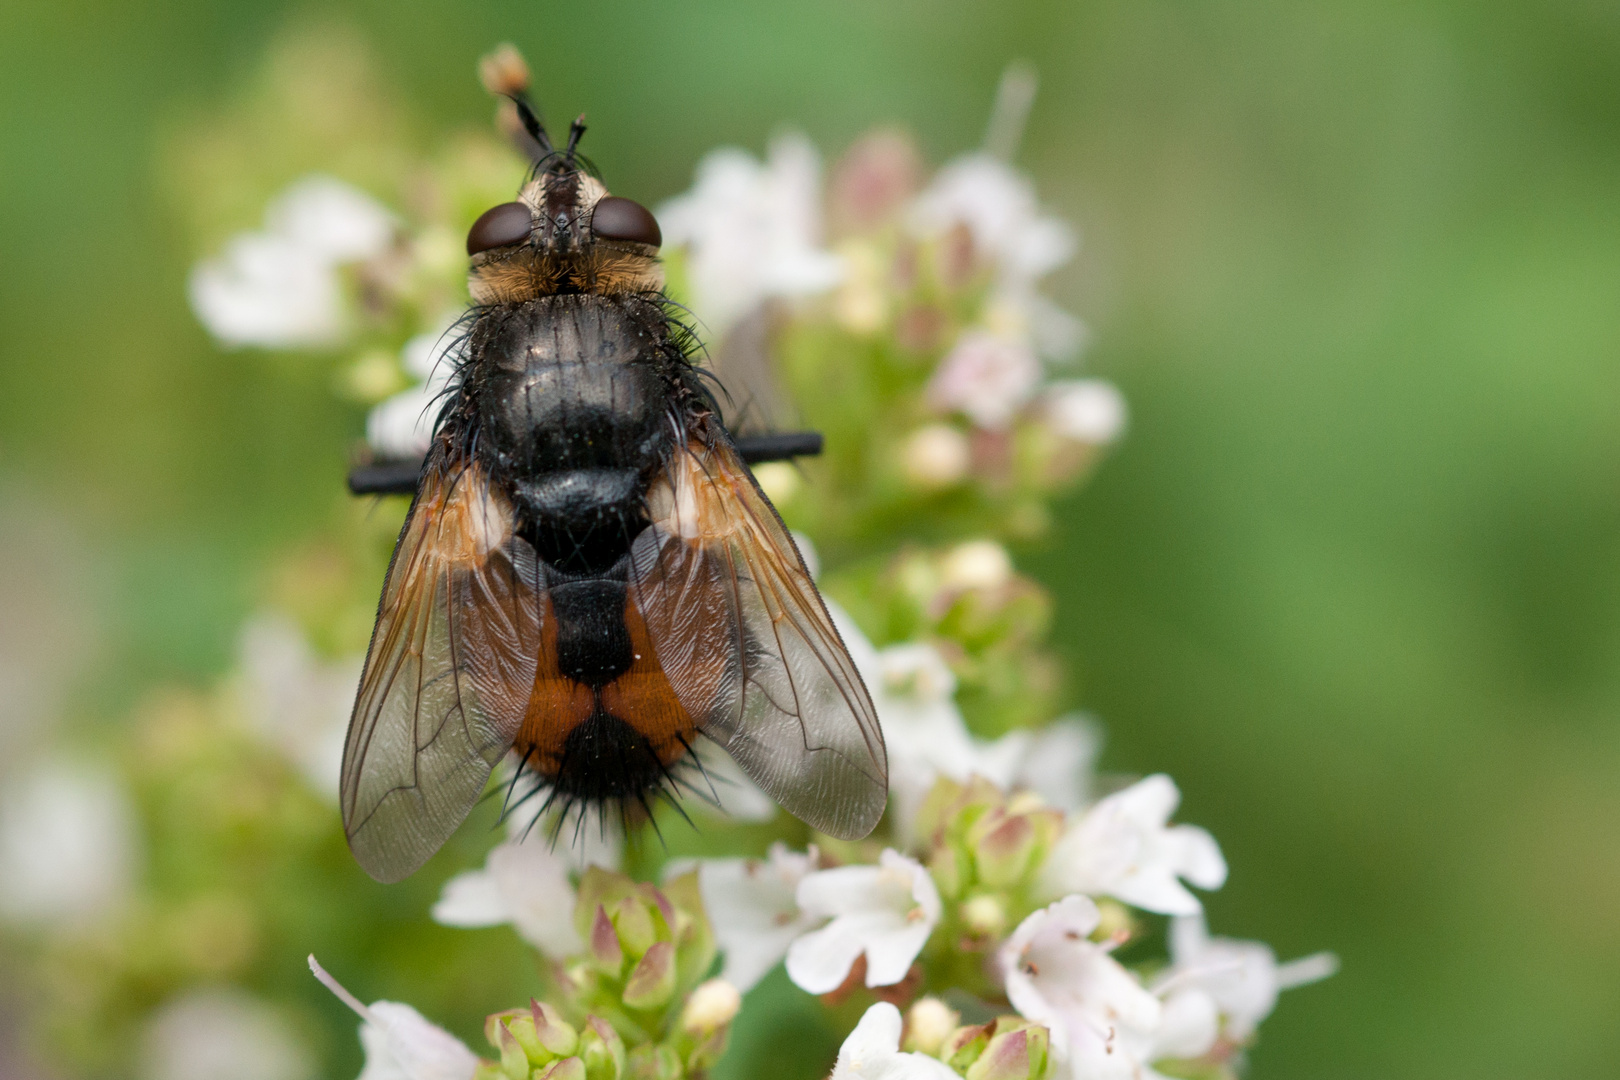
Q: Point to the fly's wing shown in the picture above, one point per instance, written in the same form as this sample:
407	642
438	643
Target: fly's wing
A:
746	643
448	675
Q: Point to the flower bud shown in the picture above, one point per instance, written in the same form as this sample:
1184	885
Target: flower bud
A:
711	1006
550	1030
634	924
985	917
651	984
964	1045
1016	1051
568	1068
935	456
514	1060
929	1022
601	1049
606	953
654	1062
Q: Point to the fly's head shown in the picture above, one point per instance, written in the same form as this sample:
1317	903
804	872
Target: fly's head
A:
564	233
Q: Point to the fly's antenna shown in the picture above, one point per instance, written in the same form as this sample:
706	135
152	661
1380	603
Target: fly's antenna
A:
575	131
505	74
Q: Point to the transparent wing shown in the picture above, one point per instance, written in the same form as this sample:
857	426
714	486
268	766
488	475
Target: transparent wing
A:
448	675
748	647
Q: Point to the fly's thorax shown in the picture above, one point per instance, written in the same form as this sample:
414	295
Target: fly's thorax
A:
571	382
561	252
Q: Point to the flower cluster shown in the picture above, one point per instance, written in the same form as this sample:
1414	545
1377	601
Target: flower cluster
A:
1017	916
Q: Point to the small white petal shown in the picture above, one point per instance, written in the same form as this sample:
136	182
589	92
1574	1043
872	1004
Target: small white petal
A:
885	911
332	219
1307	970
472	898
753	907
1122	847
872	1052
1189	1027
269	291
401	1044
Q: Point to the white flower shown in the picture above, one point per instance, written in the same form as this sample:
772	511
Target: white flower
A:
207	1034
754	908
67	843
752	230
1102	1021
268	290
1089	411
279	288
1124	847
913	690
400	1043
872	1052
524	884
1240	979
1055	761
294	700
885	911
987	377
327	217
997	204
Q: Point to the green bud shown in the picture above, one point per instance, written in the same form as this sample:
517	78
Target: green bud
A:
568	1068
945	866
964	1045
1003	846
652	982
654	1062
598	888
606	955
1016	1051
514	1061
521	1027
634	924
553	1033
601	1049
489	1070
694	936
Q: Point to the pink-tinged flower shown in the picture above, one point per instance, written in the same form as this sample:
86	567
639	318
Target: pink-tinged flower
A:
400	1043
1240	979
1125	847
752	231
278	288
885	911
985	377
1103	1022
872	1052
753	905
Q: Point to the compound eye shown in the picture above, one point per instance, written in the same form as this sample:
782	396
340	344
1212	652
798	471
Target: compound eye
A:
500	226
623	219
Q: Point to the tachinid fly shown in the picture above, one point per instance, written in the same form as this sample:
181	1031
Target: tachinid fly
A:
589	579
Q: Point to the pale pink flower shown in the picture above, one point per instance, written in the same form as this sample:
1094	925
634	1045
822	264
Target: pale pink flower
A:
885	911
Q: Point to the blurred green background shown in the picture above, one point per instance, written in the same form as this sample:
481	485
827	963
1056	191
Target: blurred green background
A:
1353	579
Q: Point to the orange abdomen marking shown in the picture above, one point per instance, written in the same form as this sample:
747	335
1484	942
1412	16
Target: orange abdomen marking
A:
610	741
